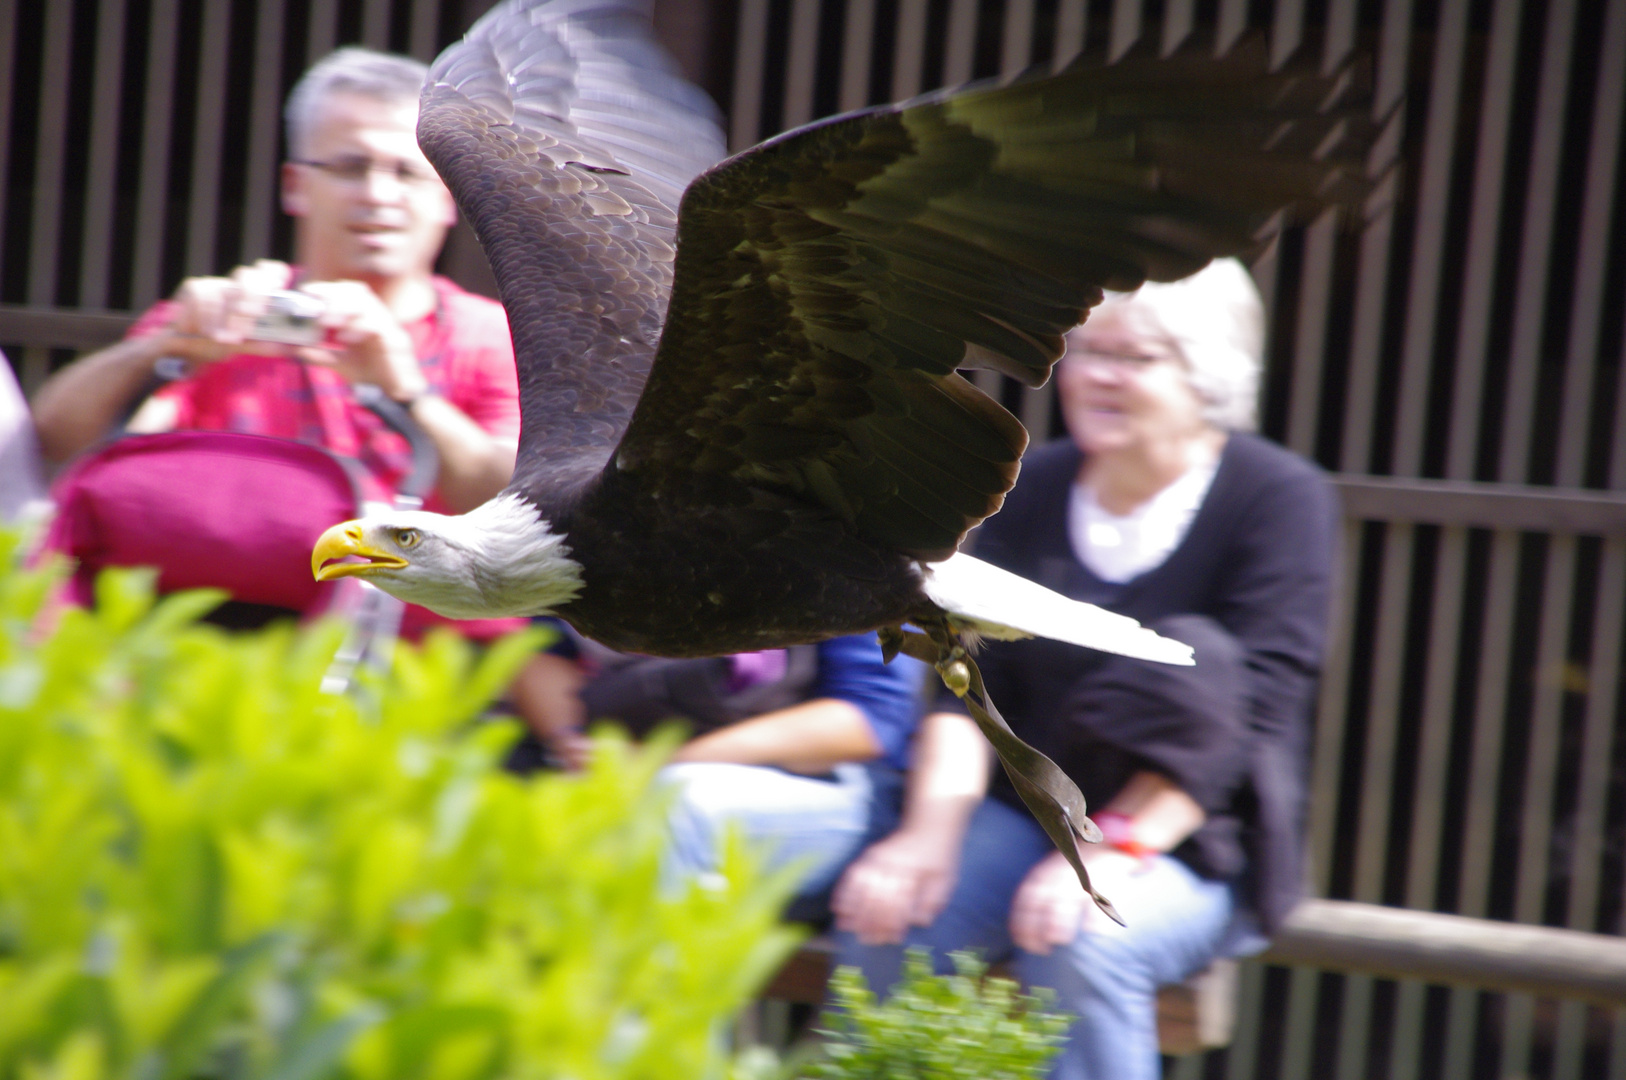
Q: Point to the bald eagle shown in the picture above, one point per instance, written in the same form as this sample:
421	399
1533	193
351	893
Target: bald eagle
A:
743	426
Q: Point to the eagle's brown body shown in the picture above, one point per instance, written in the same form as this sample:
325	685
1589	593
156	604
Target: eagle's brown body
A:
749	571
744	422
747	419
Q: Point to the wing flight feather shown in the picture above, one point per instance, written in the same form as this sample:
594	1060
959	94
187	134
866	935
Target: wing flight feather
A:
567	138
830	281
826	286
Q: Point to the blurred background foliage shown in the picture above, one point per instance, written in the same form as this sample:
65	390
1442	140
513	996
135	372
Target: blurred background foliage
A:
209	868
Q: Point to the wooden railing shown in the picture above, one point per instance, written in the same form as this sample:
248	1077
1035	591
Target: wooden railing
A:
44	327
1450	950
1332	935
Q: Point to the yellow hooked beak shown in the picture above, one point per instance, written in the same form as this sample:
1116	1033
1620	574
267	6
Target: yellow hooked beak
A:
343	541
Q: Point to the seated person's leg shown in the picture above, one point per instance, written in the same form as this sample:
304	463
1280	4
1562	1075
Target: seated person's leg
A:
1108	977
821	821
802	758
1001	845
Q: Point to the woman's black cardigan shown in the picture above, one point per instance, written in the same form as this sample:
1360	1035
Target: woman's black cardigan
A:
1258	561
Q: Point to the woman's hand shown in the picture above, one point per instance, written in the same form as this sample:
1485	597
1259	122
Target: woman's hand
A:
901	881
1051	907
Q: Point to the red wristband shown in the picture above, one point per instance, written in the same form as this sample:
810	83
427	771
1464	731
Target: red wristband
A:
1118	831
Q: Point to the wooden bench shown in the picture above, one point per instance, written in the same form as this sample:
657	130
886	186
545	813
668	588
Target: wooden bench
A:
1335	935
1196	1015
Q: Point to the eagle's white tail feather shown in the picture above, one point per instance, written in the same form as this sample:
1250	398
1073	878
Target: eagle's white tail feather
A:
999	604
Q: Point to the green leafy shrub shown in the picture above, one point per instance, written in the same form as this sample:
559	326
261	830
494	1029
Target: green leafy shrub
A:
938	1027
209	868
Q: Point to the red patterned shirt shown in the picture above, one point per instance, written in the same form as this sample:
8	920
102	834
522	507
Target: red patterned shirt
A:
465	352
462	347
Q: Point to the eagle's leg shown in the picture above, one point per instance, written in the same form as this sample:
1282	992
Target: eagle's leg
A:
1050	795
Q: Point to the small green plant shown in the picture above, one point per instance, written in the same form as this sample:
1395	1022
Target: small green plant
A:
210	869
964	1026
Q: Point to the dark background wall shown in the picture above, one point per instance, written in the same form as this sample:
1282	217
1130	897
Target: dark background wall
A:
1462	343
139	139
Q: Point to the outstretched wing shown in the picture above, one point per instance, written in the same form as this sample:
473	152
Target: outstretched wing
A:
831	281
567	137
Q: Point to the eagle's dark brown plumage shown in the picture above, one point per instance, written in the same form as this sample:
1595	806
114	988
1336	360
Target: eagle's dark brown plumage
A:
799	396
743	421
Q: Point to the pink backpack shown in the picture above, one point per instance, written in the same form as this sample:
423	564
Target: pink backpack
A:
208	508
238	512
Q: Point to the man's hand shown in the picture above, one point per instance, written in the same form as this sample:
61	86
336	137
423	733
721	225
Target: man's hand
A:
214	316
546	693
211	319
367	344
901	881
215	319
1050	906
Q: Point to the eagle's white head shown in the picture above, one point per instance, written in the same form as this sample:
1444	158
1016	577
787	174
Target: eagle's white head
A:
497	560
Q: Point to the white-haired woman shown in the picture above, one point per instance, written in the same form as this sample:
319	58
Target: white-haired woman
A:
1164	507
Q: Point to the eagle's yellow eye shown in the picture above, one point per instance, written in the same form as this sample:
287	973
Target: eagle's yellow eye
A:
407	538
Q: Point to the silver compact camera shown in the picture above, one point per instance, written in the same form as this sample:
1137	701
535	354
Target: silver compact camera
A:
290	318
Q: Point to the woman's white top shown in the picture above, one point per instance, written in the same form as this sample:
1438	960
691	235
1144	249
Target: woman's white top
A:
1118	548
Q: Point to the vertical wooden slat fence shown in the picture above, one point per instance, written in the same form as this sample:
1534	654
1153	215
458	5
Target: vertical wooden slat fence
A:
857	44
8	57
425	35
49	153
750	60
264	127
208	142
323	33
1071	23
1474	329
152	200
96	257
143	138
1469	330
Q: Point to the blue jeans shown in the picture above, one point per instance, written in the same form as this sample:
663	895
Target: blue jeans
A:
823	822
1178	922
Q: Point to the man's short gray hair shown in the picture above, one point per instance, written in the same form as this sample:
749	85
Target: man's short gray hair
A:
1217	320
350	70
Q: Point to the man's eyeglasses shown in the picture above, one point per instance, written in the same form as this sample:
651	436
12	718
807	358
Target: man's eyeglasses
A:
354	170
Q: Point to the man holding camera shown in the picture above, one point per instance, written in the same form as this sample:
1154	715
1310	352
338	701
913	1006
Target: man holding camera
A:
370	218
